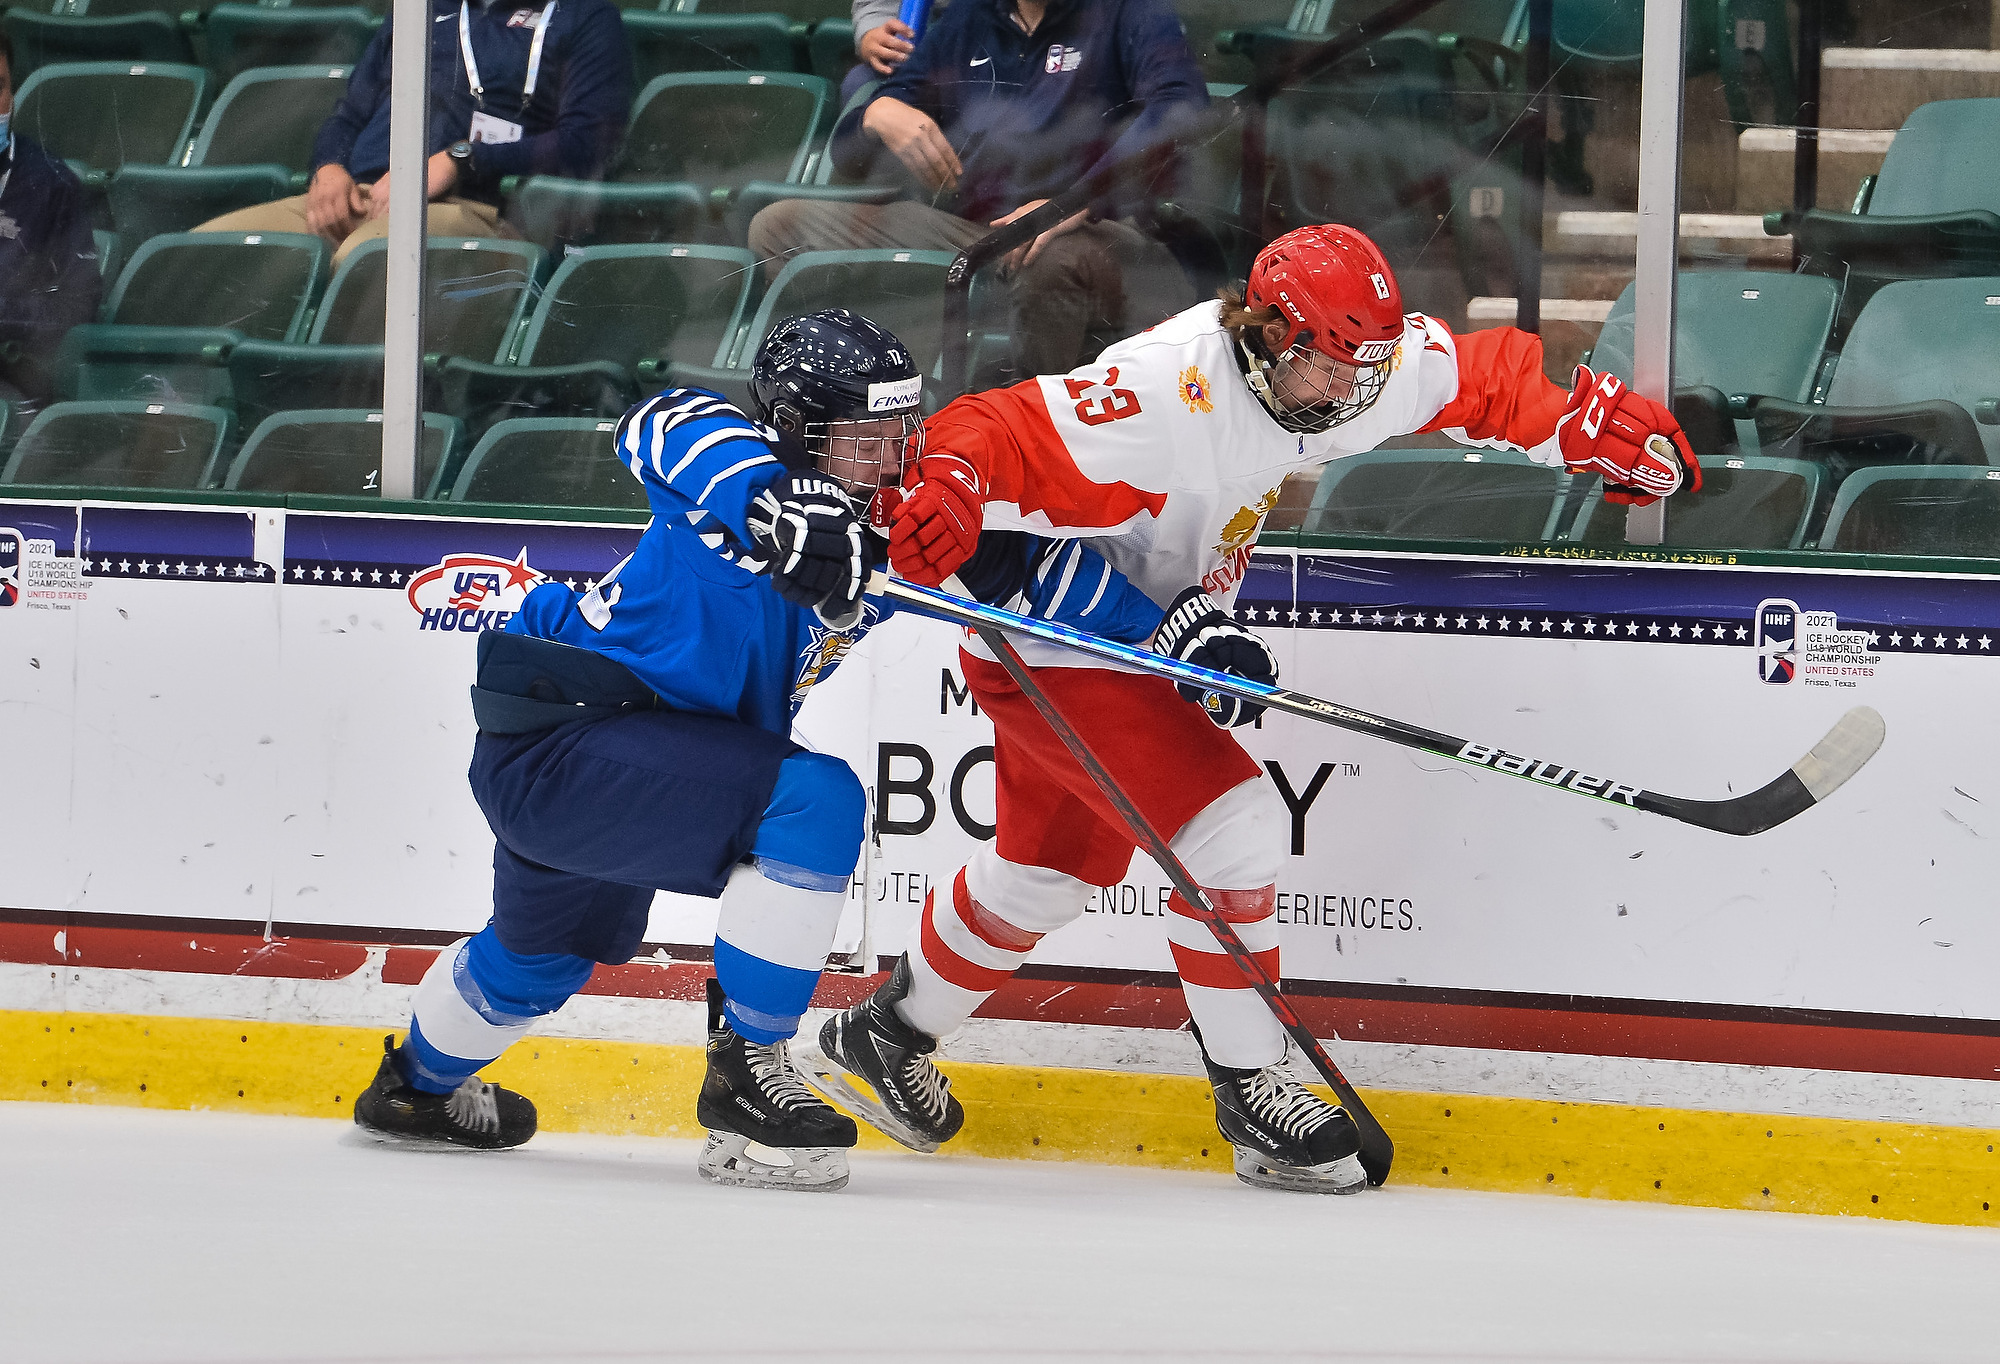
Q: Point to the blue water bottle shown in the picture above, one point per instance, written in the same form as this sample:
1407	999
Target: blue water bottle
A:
915	13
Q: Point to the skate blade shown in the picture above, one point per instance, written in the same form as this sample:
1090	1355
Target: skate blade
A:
1343	1176
726	1160
361	1135
835	1085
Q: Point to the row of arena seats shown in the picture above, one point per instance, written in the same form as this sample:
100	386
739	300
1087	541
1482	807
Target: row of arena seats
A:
1746	502
703	152
566	462
251	322
228	39
1889	444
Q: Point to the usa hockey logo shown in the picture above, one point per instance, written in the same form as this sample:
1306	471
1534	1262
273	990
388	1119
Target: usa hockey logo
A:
10	566
472	592
1777	640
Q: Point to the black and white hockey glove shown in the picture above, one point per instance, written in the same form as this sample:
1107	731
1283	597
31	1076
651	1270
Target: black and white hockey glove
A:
804	525
1198	631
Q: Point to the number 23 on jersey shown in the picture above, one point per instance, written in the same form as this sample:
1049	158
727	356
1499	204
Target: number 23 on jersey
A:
1122	402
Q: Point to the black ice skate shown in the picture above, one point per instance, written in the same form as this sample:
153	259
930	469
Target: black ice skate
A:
900	1092
1286	1137
752	1094
476	1116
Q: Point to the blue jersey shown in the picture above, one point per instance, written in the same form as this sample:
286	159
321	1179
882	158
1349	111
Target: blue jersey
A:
692	614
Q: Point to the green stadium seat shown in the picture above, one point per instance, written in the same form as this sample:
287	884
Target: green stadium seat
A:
900	290
1943	512
1745	502
42	39
557	213
1207	21
255	145
726	128
1492	495
270	115
333	451
480	289
1741	331
692	133
830	49
1923	356
147	201
606	311
110	253
804	11
110	114
241	37
1933	211
665	43
180	305
120	445
268	377
110	9
379	8
549	461
733	384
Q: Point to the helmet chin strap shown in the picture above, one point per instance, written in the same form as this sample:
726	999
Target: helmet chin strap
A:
1257	374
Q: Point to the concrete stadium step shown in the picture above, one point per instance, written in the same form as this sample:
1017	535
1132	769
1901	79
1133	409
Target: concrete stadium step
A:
1706	238
1877	87
1765	159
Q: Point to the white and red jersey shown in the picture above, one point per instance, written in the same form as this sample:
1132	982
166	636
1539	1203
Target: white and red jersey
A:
1161	456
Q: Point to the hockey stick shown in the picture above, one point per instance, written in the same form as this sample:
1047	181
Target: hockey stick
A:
1377	1152
1841	753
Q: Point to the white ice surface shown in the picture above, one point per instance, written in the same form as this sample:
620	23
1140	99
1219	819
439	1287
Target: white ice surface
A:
129	1235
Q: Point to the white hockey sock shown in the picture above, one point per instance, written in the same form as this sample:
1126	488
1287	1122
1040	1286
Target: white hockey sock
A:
771	941
990	920
1234	842
454	1019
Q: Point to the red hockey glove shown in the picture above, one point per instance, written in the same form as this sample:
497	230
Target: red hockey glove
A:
1628	438
935	526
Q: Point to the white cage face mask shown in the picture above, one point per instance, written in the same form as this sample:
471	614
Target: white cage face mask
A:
865	455
1309	391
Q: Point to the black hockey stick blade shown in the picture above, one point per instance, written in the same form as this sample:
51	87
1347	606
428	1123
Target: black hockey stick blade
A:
1847	746
1835	758
1378	1151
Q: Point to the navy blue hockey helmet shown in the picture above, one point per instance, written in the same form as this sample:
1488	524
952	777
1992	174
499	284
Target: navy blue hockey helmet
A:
848	389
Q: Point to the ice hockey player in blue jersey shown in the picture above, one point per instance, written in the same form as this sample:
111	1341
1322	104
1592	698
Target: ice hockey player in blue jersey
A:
635	737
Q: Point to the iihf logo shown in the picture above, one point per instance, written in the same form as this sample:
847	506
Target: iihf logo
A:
10	566
1777	640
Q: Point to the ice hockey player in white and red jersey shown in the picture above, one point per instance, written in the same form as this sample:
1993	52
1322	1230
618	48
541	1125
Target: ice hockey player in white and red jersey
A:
1165	456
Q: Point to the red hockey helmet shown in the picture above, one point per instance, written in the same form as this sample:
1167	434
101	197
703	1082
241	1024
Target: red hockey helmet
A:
1343	317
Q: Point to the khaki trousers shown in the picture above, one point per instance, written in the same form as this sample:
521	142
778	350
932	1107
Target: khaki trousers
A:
1087	288
448	217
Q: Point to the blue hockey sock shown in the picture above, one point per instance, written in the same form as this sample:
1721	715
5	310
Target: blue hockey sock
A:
770	946
477	1000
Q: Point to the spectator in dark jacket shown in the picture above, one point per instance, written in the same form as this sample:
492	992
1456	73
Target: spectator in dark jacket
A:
1003	105
547	103
48	259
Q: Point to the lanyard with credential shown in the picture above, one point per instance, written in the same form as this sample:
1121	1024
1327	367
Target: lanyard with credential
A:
472	62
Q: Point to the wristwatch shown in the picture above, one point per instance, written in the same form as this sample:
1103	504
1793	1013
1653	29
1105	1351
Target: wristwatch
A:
460	151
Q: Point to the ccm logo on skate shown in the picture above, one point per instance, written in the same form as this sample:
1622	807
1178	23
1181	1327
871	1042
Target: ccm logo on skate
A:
1555	774
472	592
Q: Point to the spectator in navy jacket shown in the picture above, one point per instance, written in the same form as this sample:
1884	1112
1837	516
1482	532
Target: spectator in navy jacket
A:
1003	105
547	103
48	259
